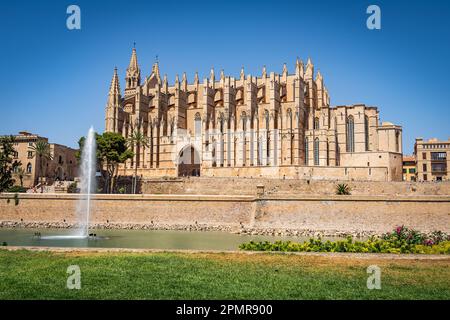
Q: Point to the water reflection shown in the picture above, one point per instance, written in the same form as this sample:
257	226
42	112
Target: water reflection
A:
153	239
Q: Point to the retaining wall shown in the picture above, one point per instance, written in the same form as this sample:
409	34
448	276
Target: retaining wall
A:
336	214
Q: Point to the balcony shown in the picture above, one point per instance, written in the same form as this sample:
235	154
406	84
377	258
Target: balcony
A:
438	168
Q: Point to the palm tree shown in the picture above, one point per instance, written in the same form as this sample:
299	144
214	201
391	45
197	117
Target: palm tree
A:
20	172
41	150
136	141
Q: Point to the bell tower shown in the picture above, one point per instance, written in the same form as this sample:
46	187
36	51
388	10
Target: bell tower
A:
113	104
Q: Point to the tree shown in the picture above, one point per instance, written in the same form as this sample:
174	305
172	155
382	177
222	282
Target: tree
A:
136	141
20	173
41	149
7	163
112	150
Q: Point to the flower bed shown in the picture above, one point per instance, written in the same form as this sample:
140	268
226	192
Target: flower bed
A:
401	240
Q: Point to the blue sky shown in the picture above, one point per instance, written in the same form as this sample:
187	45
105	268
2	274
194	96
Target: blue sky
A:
55	81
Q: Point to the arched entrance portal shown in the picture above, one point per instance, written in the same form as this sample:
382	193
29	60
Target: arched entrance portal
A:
189	162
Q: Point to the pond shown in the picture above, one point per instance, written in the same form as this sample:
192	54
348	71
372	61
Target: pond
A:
138	239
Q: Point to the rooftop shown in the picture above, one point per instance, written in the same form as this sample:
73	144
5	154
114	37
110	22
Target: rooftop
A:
409	158
432	140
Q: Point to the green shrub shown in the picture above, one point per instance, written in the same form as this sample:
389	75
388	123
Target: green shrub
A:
343	189
121	190
72	188
15	189
409	241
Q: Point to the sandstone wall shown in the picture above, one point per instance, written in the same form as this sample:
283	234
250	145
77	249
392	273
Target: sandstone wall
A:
354	213
247	186
302	172
131	209
329	213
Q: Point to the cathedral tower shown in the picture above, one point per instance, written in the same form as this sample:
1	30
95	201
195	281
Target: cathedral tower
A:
113	104
133	76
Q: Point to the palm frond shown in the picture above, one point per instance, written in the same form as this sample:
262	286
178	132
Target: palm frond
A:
41	148
137	138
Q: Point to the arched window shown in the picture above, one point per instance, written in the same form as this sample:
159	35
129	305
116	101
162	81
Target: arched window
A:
29	168
289	118
336	141
316	123
306	151
198	125
366	131
328	153
213	153
150	133
350	133
222	141
316	151
291	133
221	122
244	140
266	117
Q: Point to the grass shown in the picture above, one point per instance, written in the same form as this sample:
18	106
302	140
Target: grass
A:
42	275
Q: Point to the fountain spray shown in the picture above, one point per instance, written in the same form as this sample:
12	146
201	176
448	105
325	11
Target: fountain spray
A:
87	182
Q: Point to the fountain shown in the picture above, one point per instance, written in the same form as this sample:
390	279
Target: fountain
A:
87	184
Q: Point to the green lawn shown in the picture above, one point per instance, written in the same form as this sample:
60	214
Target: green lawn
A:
42	275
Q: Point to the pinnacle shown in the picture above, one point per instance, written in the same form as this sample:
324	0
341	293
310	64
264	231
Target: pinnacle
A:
133	61
115	86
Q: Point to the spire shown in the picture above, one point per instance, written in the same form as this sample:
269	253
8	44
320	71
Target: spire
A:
222	75
133	76
299	68
327	96
285	71
319	80
196	81
242	75
319	76
155	71
165	84
133	61
114	89
177	81
264	73
309	70
211	75
184	81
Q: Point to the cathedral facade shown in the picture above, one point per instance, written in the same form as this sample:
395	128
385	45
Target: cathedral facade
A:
271	125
